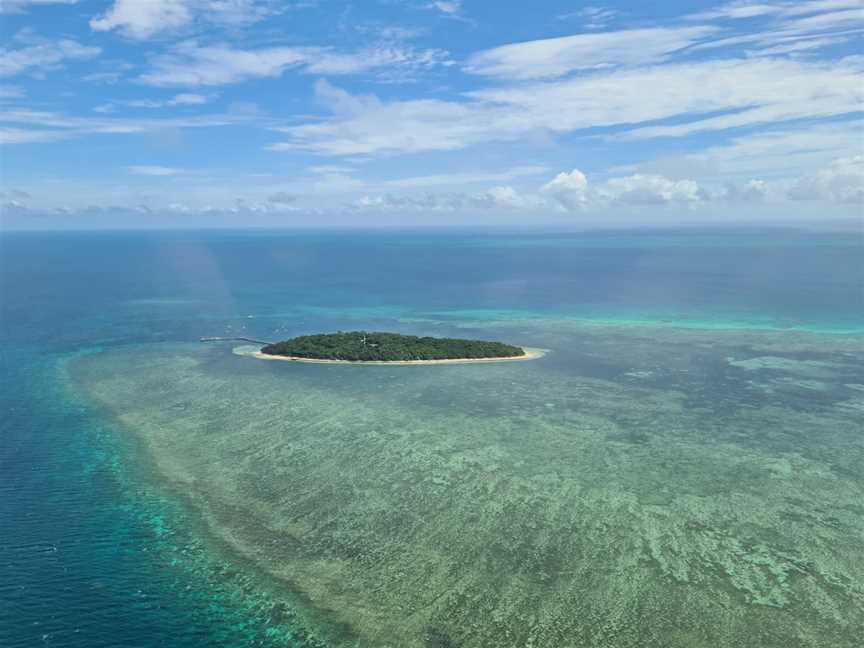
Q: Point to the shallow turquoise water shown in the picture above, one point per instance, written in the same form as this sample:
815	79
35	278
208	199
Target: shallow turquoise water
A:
97	551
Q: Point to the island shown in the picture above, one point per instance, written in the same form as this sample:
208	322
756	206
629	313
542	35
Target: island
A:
364	347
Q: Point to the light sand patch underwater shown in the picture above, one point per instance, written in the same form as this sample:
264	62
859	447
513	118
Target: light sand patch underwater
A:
557	504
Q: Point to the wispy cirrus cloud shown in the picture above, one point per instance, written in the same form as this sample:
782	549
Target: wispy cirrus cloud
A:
749	91
446	7
144	19
11	92
592	17
22	126
744	9
21	6
555	57
43	55
193	65
183	99
156	171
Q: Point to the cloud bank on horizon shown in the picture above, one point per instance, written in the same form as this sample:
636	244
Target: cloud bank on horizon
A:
131	113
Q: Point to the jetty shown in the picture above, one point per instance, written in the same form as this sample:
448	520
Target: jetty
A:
233	339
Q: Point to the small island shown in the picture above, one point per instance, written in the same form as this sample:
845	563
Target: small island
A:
365	347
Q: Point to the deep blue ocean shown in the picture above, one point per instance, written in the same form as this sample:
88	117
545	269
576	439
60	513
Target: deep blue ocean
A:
93	553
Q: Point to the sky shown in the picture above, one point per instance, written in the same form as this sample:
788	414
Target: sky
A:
265	113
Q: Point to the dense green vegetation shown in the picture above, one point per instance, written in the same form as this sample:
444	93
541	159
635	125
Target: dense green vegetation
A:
362	345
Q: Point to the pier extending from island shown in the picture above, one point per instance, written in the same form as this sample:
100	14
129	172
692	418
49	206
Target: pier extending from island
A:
233	339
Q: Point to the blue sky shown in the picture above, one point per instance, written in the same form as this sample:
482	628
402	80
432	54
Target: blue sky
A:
184	113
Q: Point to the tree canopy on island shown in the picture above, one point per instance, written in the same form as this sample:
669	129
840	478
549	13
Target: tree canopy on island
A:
362	345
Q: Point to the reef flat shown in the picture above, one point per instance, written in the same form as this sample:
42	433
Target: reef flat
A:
644	487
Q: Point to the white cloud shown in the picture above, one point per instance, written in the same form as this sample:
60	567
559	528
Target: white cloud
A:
842	181
572	190
641	189
592	17
760	91
43	126
193	65
812	25
750	91
184	99
11	92
751	191
793	46
102	77
20	6
553	57
364	124
744	9
27	136
776	153
566	192
387	57
43	55
156	171
187	99
143	19
448	7
498	198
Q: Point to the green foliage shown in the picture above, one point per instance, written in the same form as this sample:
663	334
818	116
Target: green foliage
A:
362	345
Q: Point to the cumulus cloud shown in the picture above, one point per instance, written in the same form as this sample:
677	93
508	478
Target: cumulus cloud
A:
569	191
500	198
750	191
842	182
117	213
572	191
640	189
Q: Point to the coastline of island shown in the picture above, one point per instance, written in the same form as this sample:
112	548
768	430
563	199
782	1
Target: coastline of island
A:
255	352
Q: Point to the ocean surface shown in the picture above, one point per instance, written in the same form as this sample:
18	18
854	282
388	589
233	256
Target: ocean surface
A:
685	468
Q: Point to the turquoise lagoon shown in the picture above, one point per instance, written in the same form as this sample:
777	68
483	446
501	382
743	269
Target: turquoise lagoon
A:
683	469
